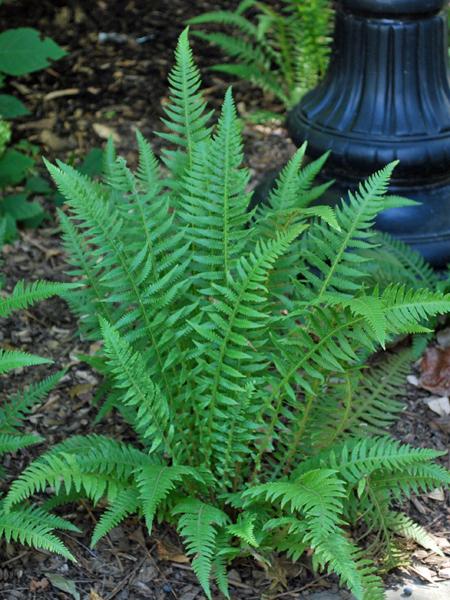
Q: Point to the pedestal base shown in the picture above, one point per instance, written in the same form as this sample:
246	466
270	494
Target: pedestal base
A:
425	227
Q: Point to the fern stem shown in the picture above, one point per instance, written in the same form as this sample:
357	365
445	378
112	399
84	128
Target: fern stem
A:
285	465
277	391
124	264
347	398
217	374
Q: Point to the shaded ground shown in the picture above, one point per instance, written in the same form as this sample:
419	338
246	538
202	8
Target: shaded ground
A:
97	90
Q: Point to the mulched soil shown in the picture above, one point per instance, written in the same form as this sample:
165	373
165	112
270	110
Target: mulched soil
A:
107	88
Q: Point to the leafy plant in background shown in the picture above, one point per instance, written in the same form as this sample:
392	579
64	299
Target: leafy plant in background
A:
283	52
239	356
22	51
27	524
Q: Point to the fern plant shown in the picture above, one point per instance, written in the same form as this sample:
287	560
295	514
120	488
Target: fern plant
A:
235	343
27	524
283	52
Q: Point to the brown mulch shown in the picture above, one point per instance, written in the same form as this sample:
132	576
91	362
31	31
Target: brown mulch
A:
99	89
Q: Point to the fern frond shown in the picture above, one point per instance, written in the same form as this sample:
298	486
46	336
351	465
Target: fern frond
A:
336	554
186	112
198	525
244	528
229	340
414	478
317	495
406	527
86	301
358	459
78	464
406	307
25	294
130	373
214	200
15	359
18	406
363	402
155	482
125	503
28	526
334	264
225	17
397	262
13	443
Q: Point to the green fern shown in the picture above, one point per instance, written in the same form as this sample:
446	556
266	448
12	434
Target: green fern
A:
198	525
34	527
284	52
28	525
236	343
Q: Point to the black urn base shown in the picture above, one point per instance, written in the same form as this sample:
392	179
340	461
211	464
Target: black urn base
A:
386	97
425	226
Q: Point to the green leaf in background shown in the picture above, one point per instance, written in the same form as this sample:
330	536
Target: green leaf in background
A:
38	185
11	107
23	50
18	206
9	224
13	167
65	585
92	164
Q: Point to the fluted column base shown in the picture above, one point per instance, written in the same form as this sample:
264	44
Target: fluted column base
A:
386	96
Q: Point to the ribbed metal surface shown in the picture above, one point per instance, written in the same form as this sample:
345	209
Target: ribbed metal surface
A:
395	7
386	97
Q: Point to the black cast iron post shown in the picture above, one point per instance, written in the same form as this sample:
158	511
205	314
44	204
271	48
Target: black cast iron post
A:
386	96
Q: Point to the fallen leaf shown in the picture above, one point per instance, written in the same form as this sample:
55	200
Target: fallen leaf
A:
443	337
105	132
420	507
63	584
94	596
437	494
412	379
80	389
423	572
61	94
445	573
47	123
441	406
435	371
54	142
170	553
38	585
442	543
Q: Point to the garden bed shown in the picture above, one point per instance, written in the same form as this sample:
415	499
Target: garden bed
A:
110	88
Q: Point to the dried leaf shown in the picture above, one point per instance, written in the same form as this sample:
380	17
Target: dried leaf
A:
412	379
94	596
444	573
423	572
171	553
38	585
441	406
435	371
80	389
61	93
437	494
63	584
105	132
